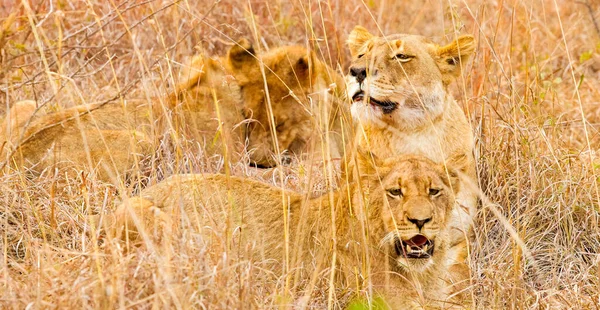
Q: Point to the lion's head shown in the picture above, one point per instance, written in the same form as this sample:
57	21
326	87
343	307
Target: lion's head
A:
283	90
411	199
206	80
209	104
400	80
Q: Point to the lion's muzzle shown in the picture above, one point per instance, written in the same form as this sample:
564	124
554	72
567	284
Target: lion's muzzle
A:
386	106
417	247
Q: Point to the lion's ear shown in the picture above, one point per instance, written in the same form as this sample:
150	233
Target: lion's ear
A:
452	57
241	53
191	75
305	65
454	178
458	162
302	65
357	39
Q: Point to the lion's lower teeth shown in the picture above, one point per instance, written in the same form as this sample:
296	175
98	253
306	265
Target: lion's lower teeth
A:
416	250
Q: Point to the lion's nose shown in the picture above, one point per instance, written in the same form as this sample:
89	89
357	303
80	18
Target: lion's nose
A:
419	223
359	73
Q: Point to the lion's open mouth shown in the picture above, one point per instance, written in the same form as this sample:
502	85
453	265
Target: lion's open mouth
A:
386	105
416	247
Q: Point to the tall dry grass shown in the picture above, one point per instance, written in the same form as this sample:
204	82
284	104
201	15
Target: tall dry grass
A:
531	93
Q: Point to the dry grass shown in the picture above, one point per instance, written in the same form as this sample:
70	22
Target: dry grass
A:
531	93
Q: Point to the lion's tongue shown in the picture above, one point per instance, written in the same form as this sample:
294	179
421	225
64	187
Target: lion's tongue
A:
417	240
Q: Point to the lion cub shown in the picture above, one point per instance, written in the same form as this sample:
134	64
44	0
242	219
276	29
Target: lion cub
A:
403	203
292	96
294	109
114	136
398	85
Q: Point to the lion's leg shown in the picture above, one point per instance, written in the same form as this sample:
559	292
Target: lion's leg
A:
461	218
117	152
459	273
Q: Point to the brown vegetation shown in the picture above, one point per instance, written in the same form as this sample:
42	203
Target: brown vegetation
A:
530	95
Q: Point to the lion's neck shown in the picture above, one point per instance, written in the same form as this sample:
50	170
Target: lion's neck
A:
333	210
434	139
387	142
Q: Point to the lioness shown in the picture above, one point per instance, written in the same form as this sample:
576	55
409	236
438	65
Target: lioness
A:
391	226
292	101
112	136
398	85
208	107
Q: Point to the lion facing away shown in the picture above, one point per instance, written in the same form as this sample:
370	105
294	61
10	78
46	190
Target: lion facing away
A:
403	204
400	99
292	103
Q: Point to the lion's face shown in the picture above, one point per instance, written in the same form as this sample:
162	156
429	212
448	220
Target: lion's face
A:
279	104
416	198
400	80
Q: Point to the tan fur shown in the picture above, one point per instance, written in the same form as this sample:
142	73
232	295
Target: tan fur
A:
14	121
251	214
300	92
407	109
114	136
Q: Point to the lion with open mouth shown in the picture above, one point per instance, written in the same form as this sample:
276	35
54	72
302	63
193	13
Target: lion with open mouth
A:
390	228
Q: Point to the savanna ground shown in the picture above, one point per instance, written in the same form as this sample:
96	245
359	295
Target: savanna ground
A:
531	93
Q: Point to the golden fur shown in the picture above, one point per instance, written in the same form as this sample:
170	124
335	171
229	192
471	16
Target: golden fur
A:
300	93
389	200
14	121
113	137
398	85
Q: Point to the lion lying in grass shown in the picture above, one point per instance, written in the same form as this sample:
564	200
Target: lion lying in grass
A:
291	95
114	136
403	204
209	108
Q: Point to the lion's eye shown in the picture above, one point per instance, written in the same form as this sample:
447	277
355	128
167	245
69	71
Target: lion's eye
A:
403	57
434	191
395	192
361	55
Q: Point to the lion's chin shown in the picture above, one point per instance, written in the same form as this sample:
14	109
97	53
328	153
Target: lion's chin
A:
414	265
367	115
